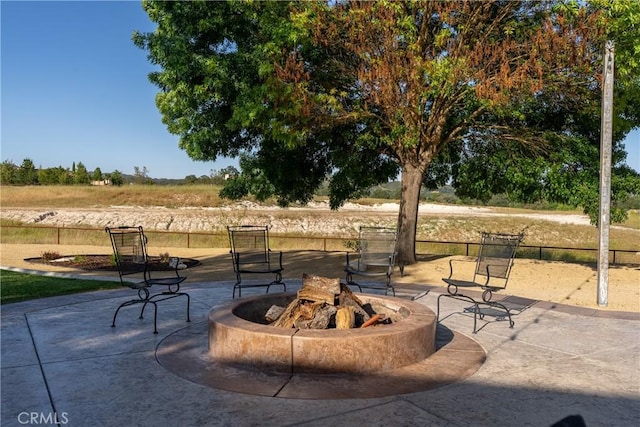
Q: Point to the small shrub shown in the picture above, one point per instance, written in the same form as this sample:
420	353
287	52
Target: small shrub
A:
352	244
49	255
164	258
80	258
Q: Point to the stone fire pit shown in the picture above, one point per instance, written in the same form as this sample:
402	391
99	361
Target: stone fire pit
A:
235	349
239	336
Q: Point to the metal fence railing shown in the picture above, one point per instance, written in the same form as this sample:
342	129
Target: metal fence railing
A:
38	234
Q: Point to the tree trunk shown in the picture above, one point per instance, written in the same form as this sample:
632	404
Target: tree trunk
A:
411	181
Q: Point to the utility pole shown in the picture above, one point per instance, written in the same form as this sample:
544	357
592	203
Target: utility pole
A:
606	135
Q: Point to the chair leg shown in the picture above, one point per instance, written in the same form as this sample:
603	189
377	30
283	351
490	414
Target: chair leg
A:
155	317
277	281
113	322
144	304
155	313
124	304
502	306
188	306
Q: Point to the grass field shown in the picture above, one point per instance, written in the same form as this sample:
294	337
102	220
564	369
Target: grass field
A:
71	196
16	287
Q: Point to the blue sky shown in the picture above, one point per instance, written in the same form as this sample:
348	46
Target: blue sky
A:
75	89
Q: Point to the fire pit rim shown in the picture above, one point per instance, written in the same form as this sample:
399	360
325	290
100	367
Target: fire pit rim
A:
228	310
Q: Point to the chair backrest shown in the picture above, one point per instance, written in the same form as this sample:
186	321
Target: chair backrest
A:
497	252
129	249
249	244
377	245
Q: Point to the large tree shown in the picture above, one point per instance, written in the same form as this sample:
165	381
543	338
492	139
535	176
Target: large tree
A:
358	91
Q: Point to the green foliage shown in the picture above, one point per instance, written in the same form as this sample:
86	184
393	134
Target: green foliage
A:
81	175
54	176
96	175
116	178
27	174
8	173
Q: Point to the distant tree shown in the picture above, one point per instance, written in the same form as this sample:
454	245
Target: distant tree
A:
218	177
97	175
81	175
116	178
190	179
65	177
141	176
27	174
53	176
204	179
8	173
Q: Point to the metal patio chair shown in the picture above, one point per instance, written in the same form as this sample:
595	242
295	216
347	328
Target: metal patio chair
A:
251	255
130	255
375	257
491	274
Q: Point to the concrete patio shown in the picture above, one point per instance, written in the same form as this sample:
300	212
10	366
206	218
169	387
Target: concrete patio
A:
61	358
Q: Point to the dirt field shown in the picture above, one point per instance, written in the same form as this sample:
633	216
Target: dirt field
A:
564	283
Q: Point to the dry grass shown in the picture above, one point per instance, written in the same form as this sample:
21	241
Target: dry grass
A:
537	232
128	195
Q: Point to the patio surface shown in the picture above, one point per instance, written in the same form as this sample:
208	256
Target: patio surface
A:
60	355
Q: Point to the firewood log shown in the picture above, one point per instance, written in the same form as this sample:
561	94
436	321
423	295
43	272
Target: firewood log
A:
273	313
345	318
289	315
319	289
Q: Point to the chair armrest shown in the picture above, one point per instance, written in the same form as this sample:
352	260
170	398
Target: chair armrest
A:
489	276
451	261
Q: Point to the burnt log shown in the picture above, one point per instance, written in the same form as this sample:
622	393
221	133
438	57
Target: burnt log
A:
320	318
273	313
